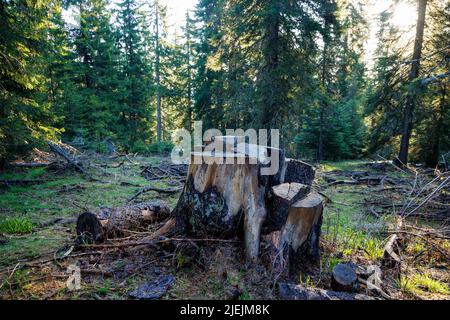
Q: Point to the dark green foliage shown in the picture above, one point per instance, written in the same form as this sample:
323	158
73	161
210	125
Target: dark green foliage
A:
134	113
387	92
25	115
95	101
298	66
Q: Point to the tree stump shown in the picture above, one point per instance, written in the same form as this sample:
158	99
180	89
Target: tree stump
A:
280	201
221	199
298	240
110	223
297	171
234	198
344	278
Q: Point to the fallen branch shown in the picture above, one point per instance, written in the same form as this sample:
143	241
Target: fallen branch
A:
159	190
390	257
61	152
435	191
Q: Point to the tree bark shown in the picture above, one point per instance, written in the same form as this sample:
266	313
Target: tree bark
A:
281	199
221	199
158	77
271	82
115	222
229	200
298	241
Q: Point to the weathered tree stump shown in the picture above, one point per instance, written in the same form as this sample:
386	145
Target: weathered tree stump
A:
234	198
110	223
298	240
221	199
344	278
281	199
297	171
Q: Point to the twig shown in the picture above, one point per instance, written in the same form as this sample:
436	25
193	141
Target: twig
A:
150	188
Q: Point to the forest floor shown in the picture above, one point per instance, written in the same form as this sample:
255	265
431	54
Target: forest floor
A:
37	231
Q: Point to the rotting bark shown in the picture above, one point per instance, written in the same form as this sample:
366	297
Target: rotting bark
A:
298	241
229	200
110	223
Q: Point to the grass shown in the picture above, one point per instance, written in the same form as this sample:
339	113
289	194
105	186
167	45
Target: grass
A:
419	282
330	262
347	226
308	282
26	174
104	289
20	225
24	207
348	165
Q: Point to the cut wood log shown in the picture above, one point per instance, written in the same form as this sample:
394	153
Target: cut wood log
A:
344	278
298	241
297	171
280	200
110	223
303	226
289	291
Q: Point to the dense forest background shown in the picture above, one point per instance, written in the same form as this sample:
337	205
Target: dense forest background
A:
116	73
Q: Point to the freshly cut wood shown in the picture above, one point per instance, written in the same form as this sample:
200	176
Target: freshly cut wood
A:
297	171
280	200
289	291
303	226
298	240
110	223
344	278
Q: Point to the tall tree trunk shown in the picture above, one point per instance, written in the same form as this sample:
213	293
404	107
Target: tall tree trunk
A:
189	72
270	77
413	74
432	158
158	77
324	86
84	50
